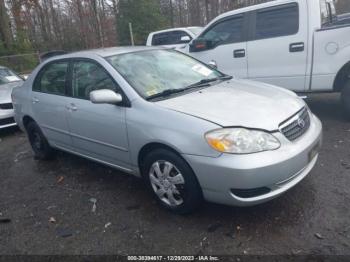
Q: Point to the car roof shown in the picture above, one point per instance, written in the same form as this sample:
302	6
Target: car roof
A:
175	29
106	52
251	8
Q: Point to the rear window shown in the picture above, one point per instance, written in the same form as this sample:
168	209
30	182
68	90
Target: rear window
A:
277	21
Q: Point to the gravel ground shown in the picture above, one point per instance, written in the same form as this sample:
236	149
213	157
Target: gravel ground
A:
50	207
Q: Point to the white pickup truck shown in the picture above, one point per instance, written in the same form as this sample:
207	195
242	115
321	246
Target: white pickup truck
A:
301	45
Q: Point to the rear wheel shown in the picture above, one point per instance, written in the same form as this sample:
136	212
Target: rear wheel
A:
345	98
41	148
172	181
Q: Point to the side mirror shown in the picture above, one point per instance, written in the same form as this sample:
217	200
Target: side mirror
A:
199	45
185	39
105	96
213	64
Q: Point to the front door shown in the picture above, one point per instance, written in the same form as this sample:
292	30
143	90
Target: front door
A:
229	49
98	130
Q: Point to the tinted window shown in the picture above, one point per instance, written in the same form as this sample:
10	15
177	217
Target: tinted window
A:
280	21
227	31
168	38
87	77
52	79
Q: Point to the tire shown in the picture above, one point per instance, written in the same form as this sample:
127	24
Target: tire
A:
178	190
41	148
345	98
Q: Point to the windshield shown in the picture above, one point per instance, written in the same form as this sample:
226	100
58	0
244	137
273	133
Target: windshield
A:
7	76
196	30
155	71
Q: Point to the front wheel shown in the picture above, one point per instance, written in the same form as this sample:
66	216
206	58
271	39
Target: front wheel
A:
345	98
172	181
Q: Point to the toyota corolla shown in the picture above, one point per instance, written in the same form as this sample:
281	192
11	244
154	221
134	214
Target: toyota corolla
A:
189	131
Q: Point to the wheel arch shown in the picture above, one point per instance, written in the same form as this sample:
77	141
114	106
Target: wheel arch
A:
341	77
146	149
26	120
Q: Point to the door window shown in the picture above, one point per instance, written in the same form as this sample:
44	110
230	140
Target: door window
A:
277	21
52	79
88	77
225	32
168	38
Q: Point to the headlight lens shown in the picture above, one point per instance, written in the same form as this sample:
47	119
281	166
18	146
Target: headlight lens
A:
241	141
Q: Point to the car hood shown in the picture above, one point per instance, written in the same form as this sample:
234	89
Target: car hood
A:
241	103
6	90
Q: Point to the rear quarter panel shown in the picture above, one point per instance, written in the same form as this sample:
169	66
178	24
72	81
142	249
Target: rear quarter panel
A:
331	53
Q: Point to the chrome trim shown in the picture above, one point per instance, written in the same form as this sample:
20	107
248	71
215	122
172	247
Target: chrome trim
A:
8	125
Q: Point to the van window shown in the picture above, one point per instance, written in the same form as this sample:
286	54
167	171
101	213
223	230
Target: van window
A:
52	79
277	21
225	32
88	77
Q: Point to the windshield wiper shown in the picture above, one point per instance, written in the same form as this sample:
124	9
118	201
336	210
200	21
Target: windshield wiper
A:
204	82
166	93
199	84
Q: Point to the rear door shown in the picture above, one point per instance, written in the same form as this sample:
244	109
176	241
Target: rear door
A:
278	46
98	130
229	49
49	99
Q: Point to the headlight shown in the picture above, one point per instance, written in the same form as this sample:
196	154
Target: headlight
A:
241	141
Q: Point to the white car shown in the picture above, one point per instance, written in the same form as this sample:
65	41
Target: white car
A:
174	37
296	44
8	81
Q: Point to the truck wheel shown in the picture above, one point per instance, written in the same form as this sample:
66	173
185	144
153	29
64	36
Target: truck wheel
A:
172	181
345	98
41	148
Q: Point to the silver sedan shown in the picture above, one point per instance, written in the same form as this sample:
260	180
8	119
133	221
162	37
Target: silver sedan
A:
8	81
189	131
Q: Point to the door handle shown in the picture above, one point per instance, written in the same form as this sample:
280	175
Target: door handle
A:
239	53
72	107
35	100
296	47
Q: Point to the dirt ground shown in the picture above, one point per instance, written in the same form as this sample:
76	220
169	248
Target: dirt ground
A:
312	218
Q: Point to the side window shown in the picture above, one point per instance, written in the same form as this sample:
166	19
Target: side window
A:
52	79
275	22
160	39
89	76
225	32
176	37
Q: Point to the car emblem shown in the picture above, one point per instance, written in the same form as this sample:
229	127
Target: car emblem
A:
301	123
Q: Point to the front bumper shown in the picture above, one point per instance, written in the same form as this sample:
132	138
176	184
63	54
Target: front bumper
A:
277	170
7	118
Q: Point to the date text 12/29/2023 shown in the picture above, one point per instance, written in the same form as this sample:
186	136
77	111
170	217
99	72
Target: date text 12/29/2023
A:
173	258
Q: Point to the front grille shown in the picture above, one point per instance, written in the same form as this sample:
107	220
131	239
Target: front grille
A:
7	121
249	193
6	106
297	125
